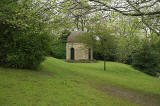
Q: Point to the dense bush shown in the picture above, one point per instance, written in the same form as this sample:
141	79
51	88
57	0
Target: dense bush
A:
58	51
59	45
24	37
126	46
22	50
147	59
99	56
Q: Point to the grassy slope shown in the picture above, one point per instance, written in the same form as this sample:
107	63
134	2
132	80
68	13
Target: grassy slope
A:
68	84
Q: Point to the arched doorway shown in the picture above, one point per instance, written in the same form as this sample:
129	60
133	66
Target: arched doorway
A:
89	53
72	53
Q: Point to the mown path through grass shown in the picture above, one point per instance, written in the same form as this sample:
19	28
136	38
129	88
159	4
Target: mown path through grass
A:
130	91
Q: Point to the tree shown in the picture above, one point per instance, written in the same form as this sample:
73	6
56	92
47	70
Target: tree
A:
147	11
129	36
146	59
100	38
63	37
24	40
59	45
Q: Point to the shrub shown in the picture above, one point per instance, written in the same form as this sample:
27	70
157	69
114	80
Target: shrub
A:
147	59
59	45
99	56
24	42
22	50
59	51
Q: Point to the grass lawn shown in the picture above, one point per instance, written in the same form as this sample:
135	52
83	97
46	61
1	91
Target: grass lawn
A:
57	83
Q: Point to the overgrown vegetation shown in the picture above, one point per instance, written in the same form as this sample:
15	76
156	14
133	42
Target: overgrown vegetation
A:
58	49
147	58
24	42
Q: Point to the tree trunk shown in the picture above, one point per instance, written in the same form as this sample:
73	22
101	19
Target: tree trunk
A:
82	22
104	63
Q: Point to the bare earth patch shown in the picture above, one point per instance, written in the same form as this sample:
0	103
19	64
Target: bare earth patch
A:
131	95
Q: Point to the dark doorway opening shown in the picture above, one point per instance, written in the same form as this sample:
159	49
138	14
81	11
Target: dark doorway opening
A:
89	53
72	53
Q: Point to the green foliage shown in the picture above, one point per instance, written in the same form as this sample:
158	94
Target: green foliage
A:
59	45
58	50
147	59
126	46
109	57
63	37
19	50
101	38
24	40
